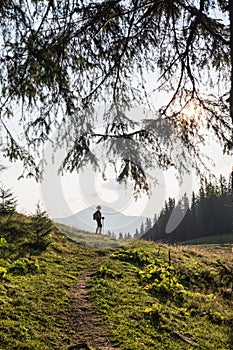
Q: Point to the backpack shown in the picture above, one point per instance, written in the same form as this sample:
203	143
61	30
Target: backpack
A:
97	215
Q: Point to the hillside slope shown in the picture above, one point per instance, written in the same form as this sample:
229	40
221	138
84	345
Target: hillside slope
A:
163	297
35	292
139	296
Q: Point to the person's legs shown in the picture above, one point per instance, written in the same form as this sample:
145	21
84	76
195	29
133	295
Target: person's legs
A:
99	226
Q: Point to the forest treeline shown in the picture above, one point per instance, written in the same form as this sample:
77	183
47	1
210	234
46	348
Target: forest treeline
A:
209	212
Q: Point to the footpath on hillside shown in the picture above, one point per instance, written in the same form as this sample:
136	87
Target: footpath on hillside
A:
86	329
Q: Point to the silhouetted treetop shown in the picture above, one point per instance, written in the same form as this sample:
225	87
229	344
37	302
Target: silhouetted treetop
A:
61	59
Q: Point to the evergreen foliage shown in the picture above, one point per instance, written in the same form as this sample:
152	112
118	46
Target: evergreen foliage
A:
142	229
148	224
209	213
155	218
41	227
120	235
7	201
60	59
136	235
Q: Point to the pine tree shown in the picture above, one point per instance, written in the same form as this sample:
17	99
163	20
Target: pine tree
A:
136	235
148	224
120	236
142	231
7	201
193	214
193	200
129	236
223	185
41	227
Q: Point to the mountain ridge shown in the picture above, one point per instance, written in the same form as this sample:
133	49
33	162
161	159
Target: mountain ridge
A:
114	221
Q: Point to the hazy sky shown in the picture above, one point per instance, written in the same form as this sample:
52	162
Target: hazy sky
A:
68	194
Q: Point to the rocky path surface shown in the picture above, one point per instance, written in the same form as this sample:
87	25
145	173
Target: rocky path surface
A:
85	327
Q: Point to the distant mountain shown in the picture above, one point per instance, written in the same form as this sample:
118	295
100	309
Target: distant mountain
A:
114	221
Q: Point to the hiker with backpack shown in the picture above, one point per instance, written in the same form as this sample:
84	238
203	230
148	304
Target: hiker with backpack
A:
98	217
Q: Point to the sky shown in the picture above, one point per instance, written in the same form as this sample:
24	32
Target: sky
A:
65	195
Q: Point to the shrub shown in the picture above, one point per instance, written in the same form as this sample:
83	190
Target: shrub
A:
161	278
104	271
24	266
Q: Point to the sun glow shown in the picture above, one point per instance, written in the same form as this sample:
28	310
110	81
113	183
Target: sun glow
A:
191	112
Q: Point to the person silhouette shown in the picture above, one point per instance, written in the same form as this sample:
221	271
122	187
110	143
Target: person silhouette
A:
98	217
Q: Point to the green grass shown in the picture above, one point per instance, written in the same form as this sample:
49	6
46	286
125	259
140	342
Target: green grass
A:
150	304
150	296
89	238
216	239
34	301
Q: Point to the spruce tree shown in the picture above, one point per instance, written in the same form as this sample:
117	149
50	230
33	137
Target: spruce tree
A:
136	235
121	236
7	201
148	224
142	231
41	227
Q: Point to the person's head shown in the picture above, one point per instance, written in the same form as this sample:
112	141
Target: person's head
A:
98	207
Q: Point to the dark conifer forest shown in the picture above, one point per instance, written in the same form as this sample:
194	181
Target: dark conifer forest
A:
209	212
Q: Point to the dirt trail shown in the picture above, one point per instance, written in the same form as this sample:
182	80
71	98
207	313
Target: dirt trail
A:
84	325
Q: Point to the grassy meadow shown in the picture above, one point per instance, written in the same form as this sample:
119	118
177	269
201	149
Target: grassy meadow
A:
217	239
149	296
162	297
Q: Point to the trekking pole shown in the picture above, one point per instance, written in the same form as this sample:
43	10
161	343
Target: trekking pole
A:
103	224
